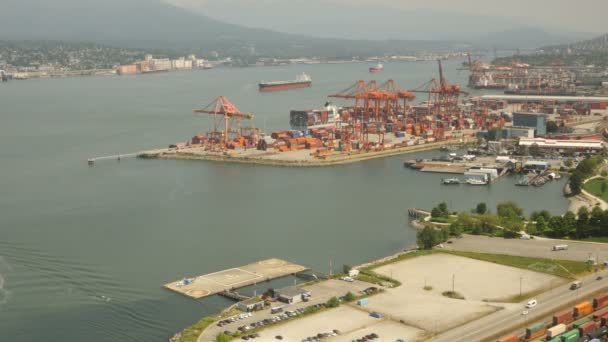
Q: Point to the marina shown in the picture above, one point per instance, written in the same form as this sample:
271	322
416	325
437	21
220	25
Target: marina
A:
234	278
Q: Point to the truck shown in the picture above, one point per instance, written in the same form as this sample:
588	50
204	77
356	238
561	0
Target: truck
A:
559	248
576	285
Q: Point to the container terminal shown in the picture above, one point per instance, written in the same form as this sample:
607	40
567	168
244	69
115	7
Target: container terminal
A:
376	120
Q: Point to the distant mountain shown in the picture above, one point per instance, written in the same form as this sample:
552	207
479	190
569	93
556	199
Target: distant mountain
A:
154	24
525	38
597	44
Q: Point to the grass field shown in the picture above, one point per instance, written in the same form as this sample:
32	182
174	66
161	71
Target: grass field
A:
560	268
594	187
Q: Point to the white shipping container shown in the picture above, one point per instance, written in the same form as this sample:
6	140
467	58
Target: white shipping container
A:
556	330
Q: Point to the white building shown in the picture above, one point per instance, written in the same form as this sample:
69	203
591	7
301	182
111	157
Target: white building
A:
588	146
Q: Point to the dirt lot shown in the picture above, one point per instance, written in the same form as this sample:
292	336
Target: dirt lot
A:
538	247
475	280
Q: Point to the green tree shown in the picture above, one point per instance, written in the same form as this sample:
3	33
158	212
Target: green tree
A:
595	221
488	223
540	225
576	182
349	297
534	150
346	268
509	210
427	238
603	230
568	163
436	212
444	209
333	302
222	338
456	228
481	208
582	215
556	223
569	223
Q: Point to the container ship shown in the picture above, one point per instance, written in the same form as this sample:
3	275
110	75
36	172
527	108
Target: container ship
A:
314	118
377	68
301	81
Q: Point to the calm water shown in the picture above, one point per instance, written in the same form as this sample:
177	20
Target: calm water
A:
83	251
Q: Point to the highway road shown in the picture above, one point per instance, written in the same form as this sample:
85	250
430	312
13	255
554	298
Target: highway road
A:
483	329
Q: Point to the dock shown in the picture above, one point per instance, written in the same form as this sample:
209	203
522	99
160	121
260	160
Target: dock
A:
227	280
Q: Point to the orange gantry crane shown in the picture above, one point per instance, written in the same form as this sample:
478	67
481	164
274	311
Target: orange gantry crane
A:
226	120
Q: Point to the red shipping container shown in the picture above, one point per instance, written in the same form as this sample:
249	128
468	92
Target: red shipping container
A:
562	317
603	320
512	338
598	314
587	327
600	301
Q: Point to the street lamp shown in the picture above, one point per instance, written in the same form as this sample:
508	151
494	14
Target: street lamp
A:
520	279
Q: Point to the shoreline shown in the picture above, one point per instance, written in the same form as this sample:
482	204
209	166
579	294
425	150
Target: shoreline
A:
261	160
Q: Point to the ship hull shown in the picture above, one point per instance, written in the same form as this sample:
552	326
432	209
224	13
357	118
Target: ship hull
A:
374	70
283	86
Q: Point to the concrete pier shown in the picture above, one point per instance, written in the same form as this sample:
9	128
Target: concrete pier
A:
224	281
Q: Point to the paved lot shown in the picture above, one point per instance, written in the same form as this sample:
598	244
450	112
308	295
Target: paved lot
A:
475	280
386	331
212	283
321	292
538	247
346	319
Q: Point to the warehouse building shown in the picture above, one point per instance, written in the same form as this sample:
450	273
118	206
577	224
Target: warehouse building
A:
291	295
537	121
250	304
549	145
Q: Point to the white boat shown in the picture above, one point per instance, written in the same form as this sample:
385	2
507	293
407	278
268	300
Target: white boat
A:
448	181
474	181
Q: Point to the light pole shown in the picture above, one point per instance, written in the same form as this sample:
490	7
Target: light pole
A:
520	279
453	279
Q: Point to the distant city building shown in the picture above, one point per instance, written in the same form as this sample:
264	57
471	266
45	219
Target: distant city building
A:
550	145
538	121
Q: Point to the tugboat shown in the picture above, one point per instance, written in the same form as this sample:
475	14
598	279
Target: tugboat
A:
377	68
450	181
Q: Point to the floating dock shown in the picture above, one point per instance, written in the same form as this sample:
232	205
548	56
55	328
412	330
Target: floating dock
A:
224	281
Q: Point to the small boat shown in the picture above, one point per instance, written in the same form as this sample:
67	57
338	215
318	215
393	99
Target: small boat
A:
524	181
377	68
450	181
444	149
474	181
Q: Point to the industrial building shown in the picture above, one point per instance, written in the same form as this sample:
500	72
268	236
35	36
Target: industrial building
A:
517	132
535	165
291	295
250	304
538	121
584	146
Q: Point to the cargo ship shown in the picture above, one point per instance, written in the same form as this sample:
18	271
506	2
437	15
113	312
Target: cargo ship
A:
377	68
314	118
301	81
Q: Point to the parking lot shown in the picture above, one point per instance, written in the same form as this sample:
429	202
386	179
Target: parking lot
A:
350	322
321	292
537	247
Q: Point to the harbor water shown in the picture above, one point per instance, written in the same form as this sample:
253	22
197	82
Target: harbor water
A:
84	250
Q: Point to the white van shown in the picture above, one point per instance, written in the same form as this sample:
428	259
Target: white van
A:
531	303
559	248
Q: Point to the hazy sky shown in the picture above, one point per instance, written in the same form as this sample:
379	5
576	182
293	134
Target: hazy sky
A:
574	15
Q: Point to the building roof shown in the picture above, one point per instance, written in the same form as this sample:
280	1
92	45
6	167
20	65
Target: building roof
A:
530	113
550	143
290	291
536	162
251	301
532	98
